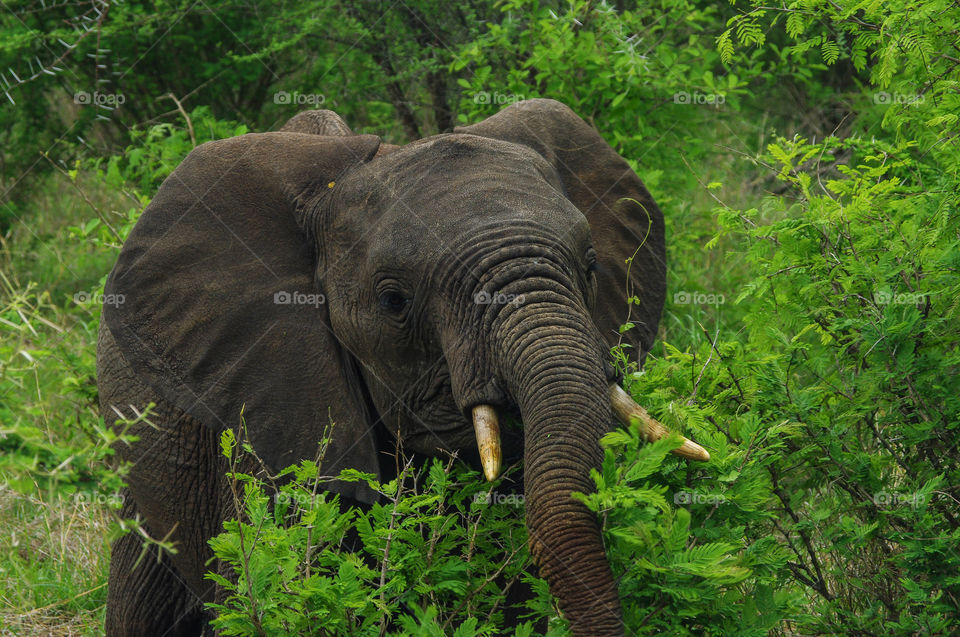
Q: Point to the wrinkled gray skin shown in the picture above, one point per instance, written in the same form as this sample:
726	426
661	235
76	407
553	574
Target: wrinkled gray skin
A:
531	204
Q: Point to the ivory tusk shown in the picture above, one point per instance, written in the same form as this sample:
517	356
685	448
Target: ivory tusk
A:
488	439
626	410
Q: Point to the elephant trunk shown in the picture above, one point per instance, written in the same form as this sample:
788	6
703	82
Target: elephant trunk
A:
553	363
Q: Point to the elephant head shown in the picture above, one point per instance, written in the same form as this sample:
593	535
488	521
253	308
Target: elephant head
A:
309	278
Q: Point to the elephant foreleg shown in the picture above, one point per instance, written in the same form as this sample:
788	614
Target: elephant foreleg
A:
148	598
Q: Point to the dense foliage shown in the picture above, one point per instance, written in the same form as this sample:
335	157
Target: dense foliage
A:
806	159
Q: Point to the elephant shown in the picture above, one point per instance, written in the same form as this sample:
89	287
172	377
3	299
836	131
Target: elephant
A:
408	294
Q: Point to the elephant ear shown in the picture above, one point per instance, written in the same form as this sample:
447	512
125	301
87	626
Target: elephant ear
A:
624	220
221	313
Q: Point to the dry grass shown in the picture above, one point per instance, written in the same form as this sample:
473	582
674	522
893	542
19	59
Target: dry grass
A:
54	556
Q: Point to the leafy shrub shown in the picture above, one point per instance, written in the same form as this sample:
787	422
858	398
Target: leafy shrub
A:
439	553
444	547
850	331
155	151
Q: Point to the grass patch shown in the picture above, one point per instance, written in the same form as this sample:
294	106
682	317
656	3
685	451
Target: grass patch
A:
53	564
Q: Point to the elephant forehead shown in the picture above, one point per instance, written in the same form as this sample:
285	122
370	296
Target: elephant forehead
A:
449	149
438	194
451	165
457	182
414	241
443	216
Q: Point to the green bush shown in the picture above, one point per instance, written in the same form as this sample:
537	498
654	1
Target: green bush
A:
438	553
444	547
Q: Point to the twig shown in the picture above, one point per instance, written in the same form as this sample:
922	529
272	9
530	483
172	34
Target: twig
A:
473	593
234	463
385	565
193	138
725	364
63	601
696	384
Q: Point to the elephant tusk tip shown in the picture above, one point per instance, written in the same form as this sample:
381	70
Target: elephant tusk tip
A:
693	451
630	413
487	429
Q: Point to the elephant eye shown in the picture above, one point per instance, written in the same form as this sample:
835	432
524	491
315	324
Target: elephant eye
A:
393	302
592	262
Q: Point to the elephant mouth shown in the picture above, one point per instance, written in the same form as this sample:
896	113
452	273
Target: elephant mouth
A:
486	426
495	420
496	445
439	427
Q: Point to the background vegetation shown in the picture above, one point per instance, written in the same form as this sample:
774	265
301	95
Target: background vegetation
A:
806	157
